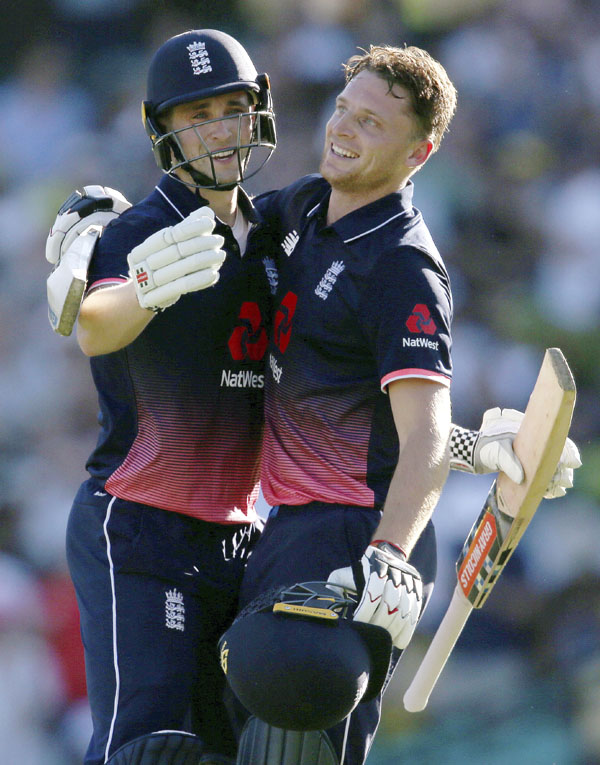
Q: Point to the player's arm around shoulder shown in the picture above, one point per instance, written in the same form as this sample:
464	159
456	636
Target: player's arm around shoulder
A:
110	316
170	262
422	416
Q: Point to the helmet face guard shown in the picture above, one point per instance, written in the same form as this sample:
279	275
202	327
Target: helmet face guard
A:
254	144
199	65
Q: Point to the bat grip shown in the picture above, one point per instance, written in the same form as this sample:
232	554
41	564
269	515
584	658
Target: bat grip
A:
418	692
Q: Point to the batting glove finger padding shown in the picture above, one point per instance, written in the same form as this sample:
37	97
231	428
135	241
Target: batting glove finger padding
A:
393	593
187	264
169	294
490	450
177	260
96	205
493	449
175	242
563	476
69	247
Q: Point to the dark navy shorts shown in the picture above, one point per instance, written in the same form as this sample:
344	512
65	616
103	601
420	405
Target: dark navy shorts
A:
306	543
155	589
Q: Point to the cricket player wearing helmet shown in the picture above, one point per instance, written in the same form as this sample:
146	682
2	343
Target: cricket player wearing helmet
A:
173	319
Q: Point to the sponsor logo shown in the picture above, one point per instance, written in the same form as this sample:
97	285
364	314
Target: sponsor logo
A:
272	274
282	324
174	610
276	370
420	342
141	276
290	242
239	544
223	656
242	379
325	286
199	58
476	554
420	320
249	339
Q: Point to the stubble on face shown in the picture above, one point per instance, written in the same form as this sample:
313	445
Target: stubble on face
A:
353	181
379	149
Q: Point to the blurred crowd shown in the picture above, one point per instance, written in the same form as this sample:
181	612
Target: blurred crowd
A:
513	202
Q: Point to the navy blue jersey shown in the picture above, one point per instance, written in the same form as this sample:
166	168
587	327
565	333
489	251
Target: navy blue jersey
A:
181	406
358	304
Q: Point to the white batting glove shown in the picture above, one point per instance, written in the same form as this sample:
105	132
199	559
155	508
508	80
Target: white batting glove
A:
97	206
393	592
489	450
177	260
70	246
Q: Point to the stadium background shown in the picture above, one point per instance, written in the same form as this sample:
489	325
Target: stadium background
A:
513	201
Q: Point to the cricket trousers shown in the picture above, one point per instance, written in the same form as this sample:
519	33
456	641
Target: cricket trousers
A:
306	543
155	591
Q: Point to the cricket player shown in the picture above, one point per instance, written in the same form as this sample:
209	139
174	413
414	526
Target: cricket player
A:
357	411
174	322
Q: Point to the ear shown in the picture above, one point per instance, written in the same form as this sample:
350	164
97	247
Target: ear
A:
420	154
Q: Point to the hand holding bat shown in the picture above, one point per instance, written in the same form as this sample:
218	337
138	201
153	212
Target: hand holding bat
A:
506	514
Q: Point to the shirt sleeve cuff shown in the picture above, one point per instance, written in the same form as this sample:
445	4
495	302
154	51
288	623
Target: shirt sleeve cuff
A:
423	374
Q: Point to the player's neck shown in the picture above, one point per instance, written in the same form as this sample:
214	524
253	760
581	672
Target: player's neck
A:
223	203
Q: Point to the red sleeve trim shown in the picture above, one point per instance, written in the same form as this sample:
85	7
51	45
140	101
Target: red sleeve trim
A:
425	374
105	283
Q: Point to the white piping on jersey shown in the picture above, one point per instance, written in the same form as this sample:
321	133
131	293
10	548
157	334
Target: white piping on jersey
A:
239	229
364	233
114	630
370	231
177	210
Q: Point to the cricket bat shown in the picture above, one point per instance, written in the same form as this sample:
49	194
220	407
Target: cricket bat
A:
506	514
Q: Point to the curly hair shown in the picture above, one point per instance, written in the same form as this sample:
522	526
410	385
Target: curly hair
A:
432	93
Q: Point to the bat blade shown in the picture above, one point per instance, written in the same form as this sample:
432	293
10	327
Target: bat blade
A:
507	512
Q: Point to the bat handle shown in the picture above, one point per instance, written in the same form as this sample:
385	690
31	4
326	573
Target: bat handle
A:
418	692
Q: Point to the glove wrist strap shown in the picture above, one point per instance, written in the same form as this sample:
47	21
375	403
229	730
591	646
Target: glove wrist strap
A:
384	544
462	449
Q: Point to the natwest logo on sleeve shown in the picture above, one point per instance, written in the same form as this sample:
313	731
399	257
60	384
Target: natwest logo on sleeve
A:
420	320
249	339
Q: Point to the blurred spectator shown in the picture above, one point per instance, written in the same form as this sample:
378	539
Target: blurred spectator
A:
31	691
43	115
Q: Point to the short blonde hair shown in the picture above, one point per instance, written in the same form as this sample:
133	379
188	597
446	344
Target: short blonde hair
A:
433	94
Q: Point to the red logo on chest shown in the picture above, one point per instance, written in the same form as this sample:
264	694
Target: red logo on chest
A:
282	324
249	339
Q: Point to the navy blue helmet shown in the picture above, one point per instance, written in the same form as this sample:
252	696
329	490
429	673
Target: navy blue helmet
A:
196	65
296	660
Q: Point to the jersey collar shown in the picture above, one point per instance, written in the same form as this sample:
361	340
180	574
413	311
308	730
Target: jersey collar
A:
185	201
370	218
